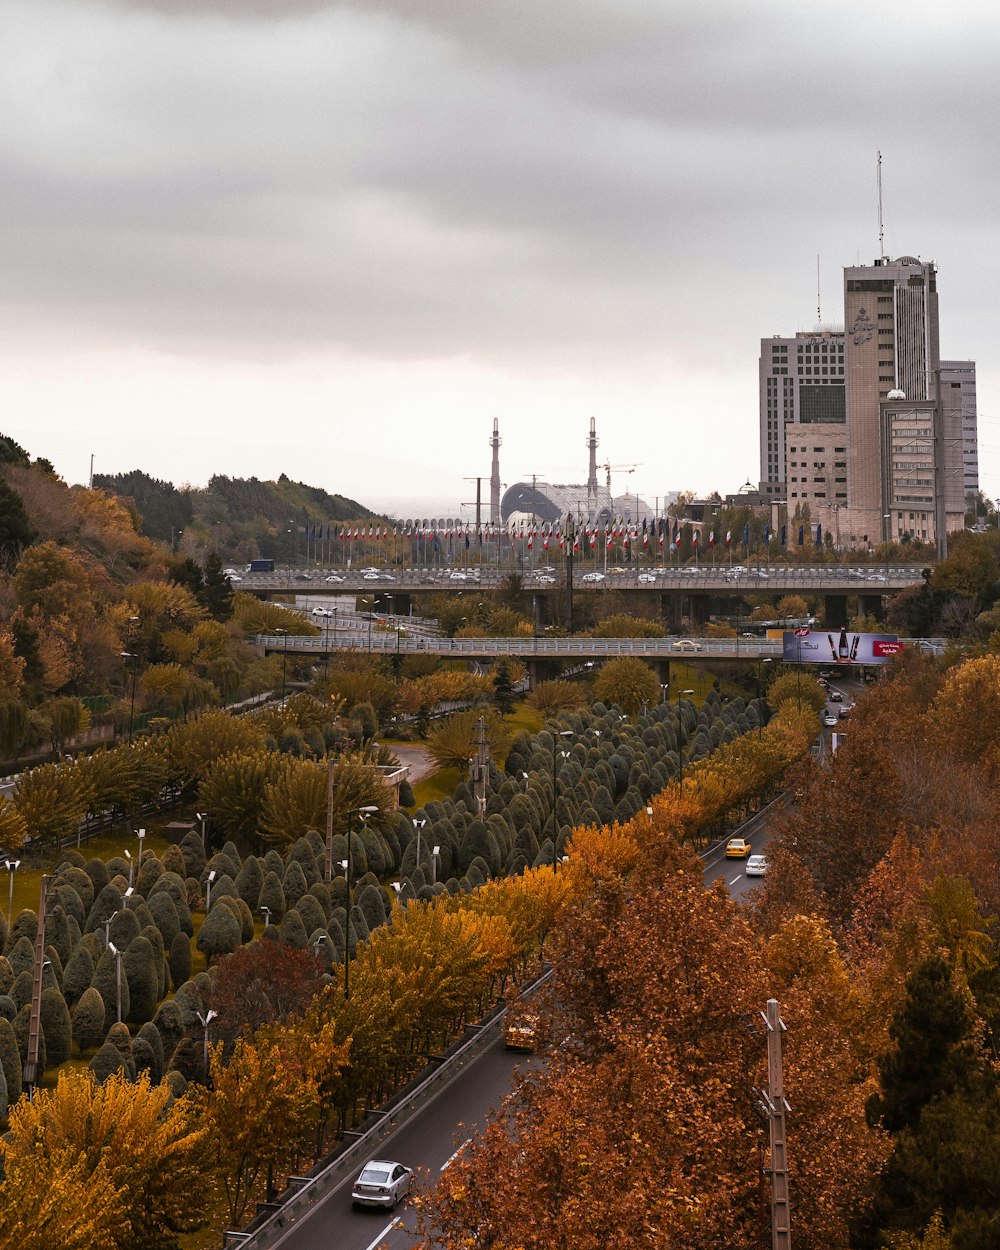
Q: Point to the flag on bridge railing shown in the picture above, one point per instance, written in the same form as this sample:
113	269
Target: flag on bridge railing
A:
746	535
802	534
729	538
784	529
819	535
711	538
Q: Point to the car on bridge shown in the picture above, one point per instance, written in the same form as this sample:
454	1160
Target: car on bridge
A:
686	644
647	577
593	577
335	577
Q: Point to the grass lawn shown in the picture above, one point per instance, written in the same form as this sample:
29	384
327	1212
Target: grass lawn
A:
27	881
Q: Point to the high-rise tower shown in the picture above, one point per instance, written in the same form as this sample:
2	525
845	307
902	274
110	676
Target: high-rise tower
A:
495	476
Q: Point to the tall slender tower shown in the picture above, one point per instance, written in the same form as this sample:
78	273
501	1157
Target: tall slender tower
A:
592	471
495	476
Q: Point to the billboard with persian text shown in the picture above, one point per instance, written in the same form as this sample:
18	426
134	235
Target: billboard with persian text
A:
838	646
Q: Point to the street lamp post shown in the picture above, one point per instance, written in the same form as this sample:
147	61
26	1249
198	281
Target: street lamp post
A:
887	516
561	733
141	835
12	866
418	825
208	891
680	749
365	812
118	980
265	911
284	660
434	865
206	1021
129	655
203	817
128	856
760	716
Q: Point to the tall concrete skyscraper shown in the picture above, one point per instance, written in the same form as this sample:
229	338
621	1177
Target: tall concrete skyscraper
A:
864	426
495	476
962	373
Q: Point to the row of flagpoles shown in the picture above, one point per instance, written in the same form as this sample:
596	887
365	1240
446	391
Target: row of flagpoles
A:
629	537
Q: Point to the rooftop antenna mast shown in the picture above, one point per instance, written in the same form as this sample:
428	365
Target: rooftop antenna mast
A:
881	232
819	314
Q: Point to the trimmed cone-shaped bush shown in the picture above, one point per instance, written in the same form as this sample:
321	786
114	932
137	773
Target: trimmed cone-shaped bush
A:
372	902
194	854
8	1008
242	914
57	1027
21	956
179	960
21	990
3	1098
97	871
118	1035
76	879
107	984
144	1060
25	926
10	1061
6	975
139	966
293	931
311	913
176	1083
273	896
108	1061
164	912
189	1059
57	931
124	929
169	1023
148	875
88	1020
149	1035
172	860
155	938
220	934
294	883
108	901
250	881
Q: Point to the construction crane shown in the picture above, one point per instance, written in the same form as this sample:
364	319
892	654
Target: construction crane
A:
619	468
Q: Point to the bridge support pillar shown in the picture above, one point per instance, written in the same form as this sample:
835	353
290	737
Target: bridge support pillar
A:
835	610
870	605
533	674
662	670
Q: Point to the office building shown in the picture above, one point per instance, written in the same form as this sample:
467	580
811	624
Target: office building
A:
963	374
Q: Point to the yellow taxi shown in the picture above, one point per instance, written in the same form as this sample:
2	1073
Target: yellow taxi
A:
737	848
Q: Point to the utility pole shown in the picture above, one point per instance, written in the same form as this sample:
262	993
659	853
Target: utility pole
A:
781	1233
479	500
570	539
31	1072
480	768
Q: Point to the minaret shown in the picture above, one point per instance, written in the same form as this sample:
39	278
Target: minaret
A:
495	476
592	472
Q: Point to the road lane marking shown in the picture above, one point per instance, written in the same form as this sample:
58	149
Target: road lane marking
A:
735	879
451	1159
385	1232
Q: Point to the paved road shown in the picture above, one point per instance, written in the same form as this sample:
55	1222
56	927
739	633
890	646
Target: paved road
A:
428	1143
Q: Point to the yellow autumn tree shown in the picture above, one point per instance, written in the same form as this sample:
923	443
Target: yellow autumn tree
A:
121	1137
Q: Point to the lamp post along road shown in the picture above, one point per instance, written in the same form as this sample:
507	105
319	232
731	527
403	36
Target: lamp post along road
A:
365	812
206	1021
680	747
118	980
561	733
760	714
12	866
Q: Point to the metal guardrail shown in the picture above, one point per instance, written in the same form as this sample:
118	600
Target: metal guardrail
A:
272	1227
671	648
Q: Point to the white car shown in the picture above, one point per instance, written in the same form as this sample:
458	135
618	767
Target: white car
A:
756	865
545	580
647	577
370	577
458	576
320	612
334	577
369	569
830	721
382	1183
234	577
593	577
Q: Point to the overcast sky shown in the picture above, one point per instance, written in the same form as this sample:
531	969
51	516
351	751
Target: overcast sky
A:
336	240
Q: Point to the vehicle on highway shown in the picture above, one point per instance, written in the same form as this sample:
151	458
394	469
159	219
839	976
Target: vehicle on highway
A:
458	576
382	1183
229	572
647	577
260	566
369	577
686	644
829	720
692	570
593	577
545	580
756	866
737	848
616	570
335	577
321	612
303	577
233	577
836	696
387	577
843	713
368	569
545	568
520	1032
